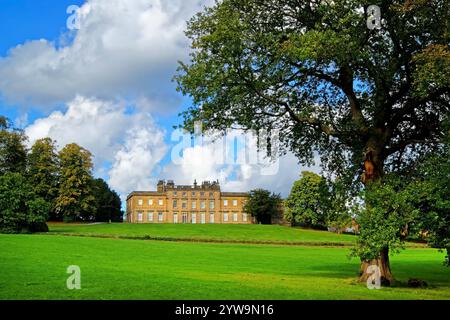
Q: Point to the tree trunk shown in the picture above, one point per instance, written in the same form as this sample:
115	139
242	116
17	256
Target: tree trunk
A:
383	264
373	170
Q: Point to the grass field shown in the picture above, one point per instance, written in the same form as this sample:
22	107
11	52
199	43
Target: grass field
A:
212	232
34	267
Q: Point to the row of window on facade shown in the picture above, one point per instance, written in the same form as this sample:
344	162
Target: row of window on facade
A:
184	203
193	193
185	216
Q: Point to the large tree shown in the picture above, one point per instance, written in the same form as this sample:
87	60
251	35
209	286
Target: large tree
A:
75	197
367	100
43	171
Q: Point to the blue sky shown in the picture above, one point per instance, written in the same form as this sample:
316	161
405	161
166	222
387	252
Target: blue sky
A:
24	20
107	86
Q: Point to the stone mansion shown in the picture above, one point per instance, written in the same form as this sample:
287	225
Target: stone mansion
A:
204	203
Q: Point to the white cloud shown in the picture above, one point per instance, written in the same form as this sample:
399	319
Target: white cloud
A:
131	143
94	124
123	49
236	172
134	163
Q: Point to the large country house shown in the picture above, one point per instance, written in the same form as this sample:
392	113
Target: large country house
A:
197	203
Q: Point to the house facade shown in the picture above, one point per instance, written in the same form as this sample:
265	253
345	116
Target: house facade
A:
195	204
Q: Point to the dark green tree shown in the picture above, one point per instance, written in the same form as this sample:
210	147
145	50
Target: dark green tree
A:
75	197
263	205
309	202
21	210
431	196
107	203
43	171
13	152
367	100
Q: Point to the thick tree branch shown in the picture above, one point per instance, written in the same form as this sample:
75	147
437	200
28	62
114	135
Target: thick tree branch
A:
345	83
328	130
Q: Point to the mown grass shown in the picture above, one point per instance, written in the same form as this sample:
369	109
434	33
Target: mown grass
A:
34	267
263	234
218	232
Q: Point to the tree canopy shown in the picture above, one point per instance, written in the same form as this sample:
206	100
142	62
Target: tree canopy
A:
75	197
309	201
315	71
42	184
21	210
107	203
43	171
432	199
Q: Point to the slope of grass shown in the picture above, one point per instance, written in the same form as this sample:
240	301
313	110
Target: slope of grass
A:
218	232
34	267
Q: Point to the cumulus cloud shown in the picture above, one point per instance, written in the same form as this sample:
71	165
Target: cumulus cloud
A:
235	162
94	124
131	143
134	163
123	49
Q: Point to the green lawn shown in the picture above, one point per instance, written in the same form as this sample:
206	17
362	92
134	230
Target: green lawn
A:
34	267
216	232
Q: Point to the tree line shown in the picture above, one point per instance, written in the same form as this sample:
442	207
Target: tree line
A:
41	184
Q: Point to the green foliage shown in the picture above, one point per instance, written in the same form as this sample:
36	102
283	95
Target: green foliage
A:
319	203
432	69
13	153
386	217
315	70
414	203
107	203
75	198
309	201
263	205
342	206
62	183
43	171
4	123
430	185
21	210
